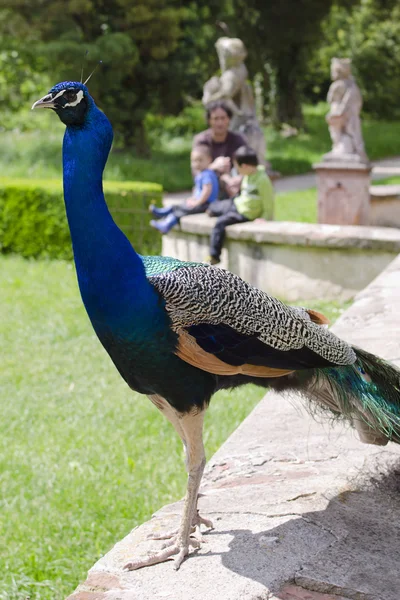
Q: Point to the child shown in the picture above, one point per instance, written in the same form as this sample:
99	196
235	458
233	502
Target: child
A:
255	200
205	192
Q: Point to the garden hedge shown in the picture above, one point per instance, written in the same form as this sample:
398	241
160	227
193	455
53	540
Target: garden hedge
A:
33	221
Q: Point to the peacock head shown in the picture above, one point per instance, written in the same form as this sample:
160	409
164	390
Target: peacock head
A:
70	100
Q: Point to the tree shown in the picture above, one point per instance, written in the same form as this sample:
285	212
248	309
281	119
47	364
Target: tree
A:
149	49
283	36
369	35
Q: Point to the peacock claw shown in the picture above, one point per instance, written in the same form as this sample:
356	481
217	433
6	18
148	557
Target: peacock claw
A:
195	530
173	545
199	520
168	550
163	535
194	541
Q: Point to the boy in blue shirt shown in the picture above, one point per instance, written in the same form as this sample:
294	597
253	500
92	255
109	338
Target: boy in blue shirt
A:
205	192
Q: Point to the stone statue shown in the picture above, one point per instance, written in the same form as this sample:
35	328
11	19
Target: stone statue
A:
233	88
343	117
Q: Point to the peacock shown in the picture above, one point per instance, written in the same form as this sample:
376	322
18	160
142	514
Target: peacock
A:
180	331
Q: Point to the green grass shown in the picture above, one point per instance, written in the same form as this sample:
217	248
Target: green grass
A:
300	206
82	458
34	150
395	180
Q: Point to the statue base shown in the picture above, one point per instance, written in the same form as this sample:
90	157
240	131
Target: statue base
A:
343	157
343	192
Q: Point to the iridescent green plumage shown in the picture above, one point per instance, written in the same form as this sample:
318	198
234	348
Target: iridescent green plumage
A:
157	265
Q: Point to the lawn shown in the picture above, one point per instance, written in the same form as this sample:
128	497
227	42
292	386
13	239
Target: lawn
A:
82	458
32	147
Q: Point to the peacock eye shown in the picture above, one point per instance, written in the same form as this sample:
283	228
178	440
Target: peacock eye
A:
70	95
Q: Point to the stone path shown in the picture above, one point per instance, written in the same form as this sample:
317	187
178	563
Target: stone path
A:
381	168
302	510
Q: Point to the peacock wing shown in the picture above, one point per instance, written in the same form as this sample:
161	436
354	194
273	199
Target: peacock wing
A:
226	326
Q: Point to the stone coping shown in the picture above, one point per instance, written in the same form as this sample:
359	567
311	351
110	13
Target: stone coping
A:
301	234
302	510
385	190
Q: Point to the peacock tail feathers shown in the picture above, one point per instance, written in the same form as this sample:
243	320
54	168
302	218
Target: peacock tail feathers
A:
366	392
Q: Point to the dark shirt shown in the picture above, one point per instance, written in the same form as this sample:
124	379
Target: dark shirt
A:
232	142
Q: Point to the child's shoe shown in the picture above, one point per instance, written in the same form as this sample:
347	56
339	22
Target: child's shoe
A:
212	260
164	225
160	212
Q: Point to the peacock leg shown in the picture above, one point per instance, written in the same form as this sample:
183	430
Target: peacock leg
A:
190	428
175	419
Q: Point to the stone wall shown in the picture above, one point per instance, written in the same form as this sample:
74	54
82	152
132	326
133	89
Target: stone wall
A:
385	205
292	260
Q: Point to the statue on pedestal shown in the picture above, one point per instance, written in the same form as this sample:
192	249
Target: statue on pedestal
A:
232	87
343	118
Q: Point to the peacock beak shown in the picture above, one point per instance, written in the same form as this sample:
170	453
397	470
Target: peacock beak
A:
46	102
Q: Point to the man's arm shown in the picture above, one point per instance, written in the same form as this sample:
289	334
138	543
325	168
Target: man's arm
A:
231	184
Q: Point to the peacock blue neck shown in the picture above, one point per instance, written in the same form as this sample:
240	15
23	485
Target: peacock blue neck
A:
110	273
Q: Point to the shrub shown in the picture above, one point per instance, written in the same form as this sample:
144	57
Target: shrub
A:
33	221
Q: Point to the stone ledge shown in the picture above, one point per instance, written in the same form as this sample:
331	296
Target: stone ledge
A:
294	261
302	511
385	191
301	234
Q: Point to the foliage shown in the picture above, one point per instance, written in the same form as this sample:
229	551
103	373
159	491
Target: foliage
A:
162	128
282	35
83	459
33	222
153	51
370	35
21	74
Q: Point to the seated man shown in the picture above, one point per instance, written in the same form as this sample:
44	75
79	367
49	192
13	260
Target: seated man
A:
205	191
255	201
223	143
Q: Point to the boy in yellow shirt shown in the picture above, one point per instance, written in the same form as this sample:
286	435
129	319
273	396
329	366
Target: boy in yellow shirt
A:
255	200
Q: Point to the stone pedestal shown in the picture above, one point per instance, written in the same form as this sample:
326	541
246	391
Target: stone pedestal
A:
343	192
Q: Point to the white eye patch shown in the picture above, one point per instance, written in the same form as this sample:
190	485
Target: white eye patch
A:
79	97
59	94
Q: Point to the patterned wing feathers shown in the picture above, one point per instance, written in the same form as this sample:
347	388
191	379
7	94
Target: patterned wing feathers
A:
214	297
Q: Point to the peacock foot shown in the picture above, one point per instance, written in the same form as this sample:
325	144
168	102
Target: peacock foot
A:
195	530
199	520
175	546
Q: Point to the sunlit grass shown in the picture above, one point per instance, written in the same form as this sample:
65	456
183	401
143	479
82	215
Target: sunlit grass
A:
82	458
